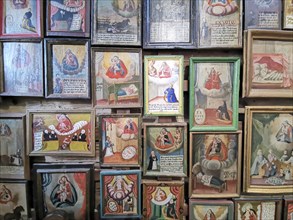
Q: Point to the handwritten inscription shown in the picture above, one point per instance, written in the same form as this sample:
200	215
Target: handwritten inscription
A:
38	140
75	86
171	164
268	19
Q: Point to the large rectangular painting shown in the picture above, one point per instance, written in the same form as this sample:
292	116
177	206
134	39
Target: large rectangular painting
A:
14	200
211	209
120	140
120	194
117	76
215	164
61	133
22	68
165	149
214	93
219	23
14	163
269	149
263	14
163	200
262	208
21	19
169	24
67	68
163	85
288	14
63	188
269	66
116	22
68	18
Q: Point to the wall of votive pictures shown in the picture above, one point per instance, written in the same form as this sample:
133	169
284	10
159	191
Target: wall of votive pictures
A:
154	109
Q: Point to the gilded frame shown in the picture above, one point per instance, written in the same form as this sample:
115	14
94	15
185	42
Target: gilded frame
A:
20	158
116	24
266	168
249	204
153	192
211	90
199	208
169	30
75	129
117	77
67	68
128	137
133	180
268	52
80	179
175	145
222	166
163	87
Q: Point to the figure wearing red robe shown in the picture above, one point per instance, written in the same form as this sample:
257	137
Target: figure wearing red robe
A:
64	123
213	81
217	150
165	71
117	70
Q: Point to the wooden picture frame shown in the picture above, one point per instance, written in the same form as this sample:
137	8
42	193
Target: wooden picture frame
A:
117	23
263	15
215	164
70	19
268	152
15	163
169	24
22	68
288	207
163	85
116	203
165	149
163	200
61	133
215	209
287	14
219	24
120	143
15	200
64	187
117	77
1	70
214	93
21	19
267	62
67	68
258	207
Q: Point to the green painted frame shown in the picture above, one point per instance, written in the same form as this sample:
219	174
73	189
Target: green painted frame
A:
234	73
165	81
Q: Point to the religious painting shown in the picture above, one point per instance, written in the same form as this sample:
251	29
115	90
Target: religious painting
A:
117	76
14	164
288	207
63	187
68	68
257	208
120	140
61	133
163	200
214	93
207	209
116	22
13	200
165	149
215	164
163	85
269	149
219	23
120	194
68	18
22	68
263	14
268	63
21	19
169	24
288	14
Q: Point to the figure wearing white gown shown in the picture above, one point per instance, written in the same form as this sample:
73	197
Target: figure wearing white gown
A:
258	162
108	147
